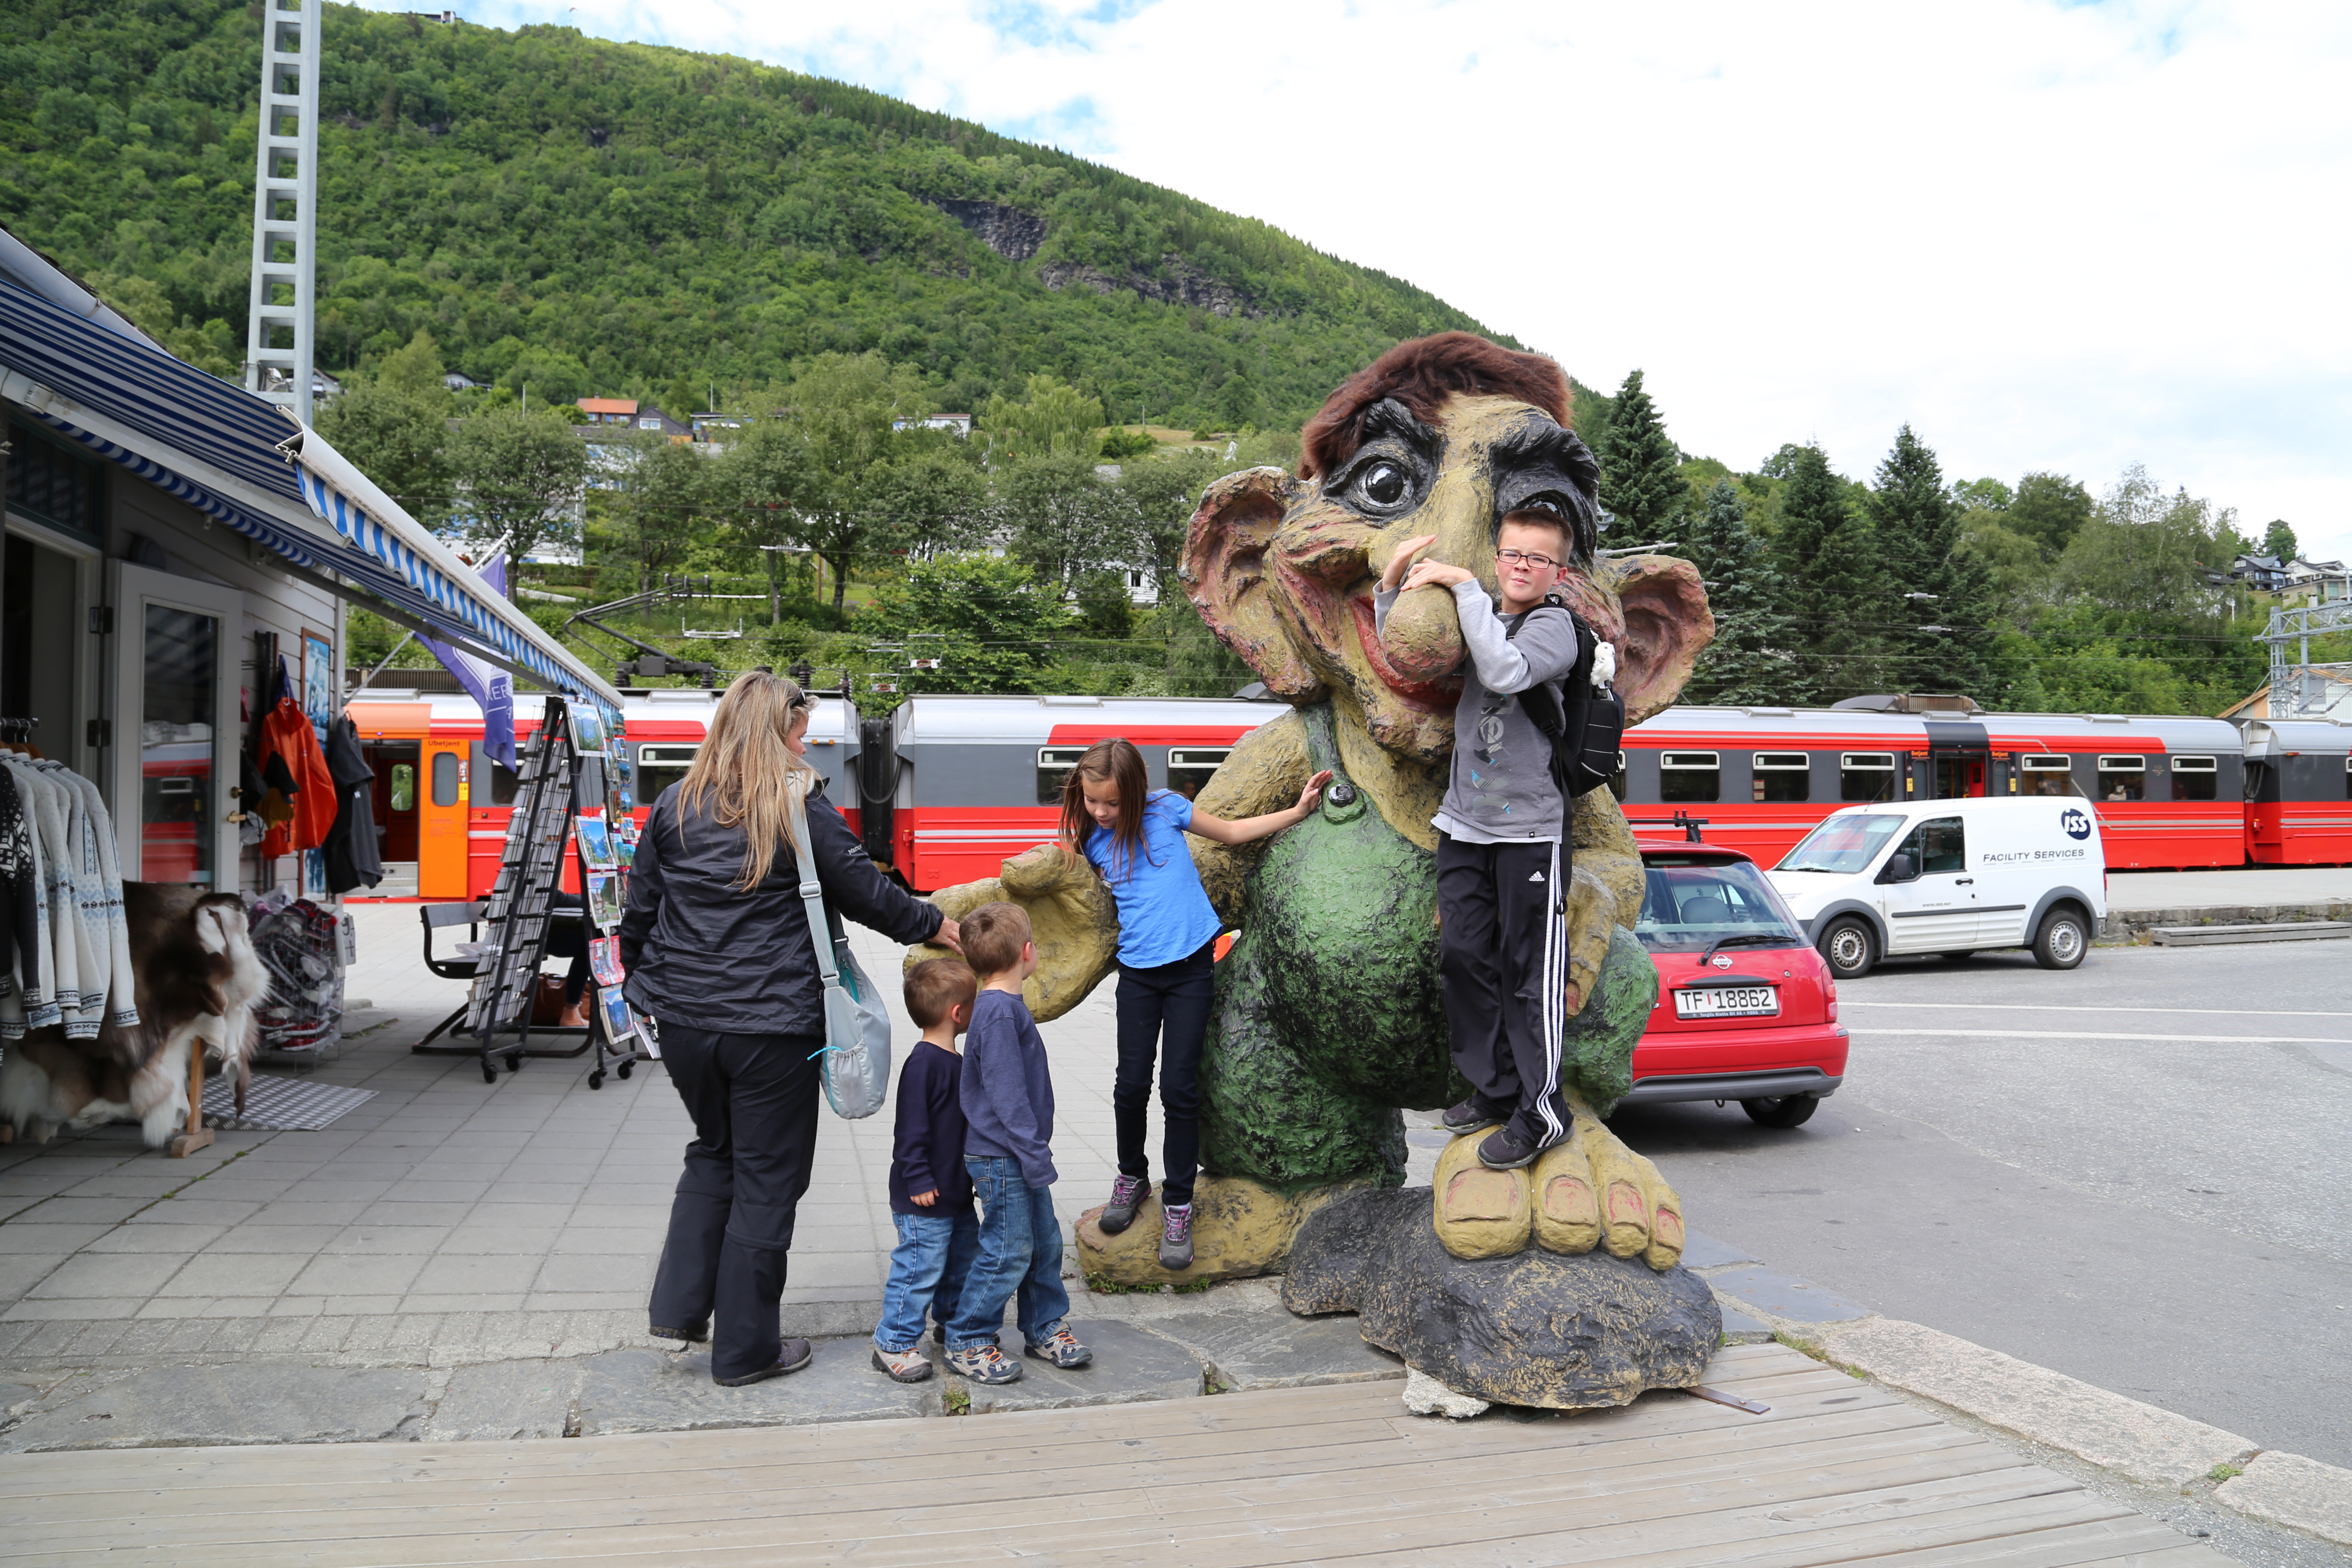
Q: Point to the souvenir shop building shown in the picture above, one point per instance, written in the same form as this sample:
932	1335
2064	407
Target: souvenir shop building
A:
170	541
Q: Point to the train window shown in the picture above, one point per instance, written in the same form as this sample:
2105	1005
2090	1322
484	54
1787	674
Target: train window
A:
2195	778
658	767
2347	778
501	779
1189	768
1783	775
1690	776
1867	775
1053	765
2123	778
445	778
2045	775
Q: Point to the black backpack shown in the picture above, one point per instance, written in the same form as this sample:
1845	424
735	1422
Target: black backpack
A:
1585	727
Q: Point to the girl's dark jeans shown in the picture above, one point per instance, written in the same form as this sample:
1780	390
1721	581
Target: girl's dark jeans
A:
1163	1011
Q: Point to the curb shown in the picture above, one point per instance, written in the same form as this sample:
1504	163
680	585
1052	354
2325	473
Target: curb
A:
2137	927
2136	1441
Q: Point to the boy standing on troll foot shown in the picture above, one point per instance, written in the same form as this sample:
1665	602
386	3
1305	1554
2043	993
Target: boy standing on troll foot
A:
1502	856
1008	1108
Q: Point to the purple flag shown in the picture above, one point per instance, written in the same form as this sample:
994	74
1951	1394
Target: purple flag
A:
491	688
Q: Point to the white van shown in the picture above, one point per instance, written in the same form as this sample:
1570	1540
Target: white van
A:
1949	876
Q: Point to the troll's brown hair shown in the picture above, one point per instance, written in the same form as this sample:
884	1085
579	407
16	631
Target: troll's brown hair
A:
1114	761
1422	375
938	985
994	936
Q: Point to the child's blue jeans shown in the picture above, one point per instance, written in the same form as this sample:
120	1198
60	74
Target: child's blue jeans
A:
1020	1251
928	1270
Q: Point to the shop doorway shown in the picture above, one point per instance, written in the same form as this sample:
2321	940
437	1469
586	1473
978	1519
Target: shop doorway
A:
176	726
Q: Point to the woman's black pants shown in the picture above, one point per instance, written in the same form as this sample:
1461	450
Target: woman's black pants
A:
753	1099
1163	1011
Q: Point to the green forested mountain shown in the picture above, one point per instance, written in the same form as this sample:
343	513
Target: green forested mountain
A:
615	218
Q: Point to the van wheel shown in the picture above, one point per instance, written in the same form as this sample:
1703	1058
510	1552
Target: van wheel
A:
1782	1111
2063	939
1851	947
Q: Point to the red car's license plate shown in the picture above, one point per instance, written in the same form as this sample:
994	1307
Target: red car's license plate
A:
1728	1002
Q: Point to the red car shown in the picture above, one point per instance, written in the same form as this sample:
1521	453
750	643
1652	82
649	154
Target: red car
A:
1747	1009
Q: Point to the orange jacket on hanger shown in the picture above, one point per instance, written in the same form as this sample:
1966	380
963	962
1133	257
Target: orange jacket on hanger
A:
293	764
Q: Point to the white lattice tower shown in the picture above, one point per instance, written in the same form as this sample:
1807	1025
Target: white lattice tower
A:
278	345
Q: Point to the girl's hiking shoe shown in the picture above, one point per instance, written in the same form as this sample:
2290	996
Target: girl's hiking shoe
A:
902	1366
1176	1236
1126	1194
1061	1347
1469	1116
984	1363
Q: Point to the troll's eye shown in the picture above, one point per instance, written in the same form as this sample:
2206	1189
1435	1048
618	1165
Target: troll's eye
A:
1384	484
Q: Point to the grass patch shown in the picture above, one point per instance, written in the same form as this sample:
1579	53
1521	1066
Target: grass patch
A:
2223	1472
955	1401
1104	1285
1194	1287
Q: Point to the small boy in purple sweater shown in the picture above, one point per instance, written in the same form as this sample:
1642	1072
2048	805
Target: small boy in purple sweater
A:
1008	1107
930	1191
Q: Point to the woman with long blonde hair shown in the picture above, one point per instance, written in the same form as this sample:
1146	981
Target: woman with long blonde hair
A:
719	954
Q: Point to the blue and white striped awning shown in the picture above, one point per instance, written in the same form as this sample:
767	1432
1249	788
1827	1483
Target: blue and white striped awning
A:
245	462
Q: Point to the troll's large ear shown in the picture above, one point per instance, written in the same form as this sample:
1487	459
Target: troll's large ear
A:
1667	626
1223	570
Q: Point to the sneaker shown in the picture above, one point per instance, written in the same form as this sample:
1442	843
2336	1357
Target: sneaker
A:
902	1366
1176	1236
694	1335
1505	1149
984	1363
1062	1348
793	1356
1126	1194
939	1336
1468	1117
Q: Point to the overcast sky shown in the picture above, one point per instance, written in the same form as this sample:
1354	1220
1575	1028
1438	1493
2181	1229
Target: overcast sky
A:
2063	236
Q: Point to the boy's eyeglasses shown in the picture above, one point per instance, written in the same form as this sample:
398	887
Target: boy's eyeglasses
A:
1512	557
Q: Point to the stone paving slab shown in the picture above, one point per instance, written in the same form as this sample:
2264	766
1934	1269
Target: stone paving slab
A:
187	1407
2301	1494
1269	1346
658	1391
1786	1296
500	1400
1741	1328
1131	1365
1701	1253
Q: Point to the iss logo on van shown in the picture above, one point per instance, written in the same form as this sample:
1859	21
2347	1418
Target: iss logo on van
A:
2076	823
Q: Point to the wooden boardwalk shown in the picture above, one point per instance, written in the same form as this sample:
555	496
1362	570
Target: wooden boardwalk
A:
1837	1472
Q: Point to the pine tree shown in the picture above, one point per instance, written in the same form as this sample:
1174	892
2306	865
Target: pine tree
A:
1641	470
1827	554
1750	662
1918	528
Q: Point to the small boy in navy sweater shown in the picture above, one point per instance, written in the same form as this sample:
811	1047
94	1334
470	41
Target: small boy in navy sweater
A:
930	1191
1008	1107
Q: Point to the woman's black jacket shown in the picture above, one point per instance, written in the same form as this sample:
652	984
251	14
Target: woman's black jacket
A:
703	954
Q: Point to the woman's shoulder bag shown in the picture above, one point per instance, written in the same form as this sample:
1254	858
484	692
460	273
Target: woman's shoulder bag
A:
857	1054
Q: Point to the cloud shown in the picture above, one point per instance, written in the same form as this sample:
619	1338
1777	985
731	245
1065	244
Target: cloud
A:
2048	235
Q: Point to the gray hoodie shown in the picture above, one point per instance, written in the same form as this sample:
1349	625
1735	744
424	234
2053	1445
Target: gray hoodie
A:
1501	789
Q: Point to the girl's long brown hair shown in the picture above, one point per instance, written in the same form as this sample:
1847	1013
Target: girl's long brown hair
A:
750	777
1115	761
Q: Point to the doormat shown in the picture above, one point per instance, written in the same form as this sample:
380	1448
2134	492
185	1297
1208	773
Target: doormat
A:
279	1104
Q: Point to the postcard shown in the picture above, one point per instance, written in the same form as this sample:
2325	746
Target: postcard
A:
595	844
604	899
604	959
620	1024
587	727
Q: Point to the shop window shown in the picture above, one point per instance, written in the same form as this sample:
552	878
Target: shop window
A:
445	778
2195	778
2123	778
658	767
2045	775
1189	769
1687	777
1053	765
1867	775
1783	775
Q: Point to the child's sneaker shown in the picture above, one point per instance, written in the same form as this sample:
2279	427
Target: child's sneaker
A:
1176	1236
1126	1194
902	1366
984	1363
1062	1348
1469	1116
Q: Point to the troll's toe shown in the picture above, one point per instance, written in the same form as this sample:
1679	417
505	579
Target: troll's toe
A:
1480	1212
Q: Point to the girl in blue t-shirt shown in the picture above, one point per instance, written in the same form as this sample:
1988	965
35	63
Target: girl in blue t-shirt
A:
1134	835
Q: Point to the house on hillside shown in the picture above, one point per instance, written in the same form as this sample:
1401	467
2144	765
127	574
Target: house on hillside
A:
459	381
2306	581
961	423
610	410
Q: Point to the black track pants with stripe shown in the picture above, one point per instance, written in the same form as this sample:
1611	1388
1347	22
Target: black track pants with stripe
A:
1502	953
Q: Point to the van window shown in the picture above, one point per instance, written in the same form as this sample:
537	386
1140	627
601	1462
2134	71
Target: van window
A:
658	767
2045	775
1053	765
1783	775
1690	906
445	778
1189	768
1841	844
2123	778
1690	776
1940	845
1867	775
2195	778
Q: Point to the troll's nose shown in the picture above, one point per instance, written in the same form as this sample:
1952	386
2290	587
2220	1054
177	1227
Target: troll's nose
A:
1423	638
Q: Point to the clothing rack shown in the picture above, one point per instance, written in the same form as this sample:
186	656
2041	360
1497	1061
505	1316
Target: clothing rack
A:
18	731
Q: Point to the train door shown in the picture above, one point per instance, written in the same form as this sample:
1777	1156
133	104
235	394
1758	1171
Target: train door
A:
441	820
492	789
397	790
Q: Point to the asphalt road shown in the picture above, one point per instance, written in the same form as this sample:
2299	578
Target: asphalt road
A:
2137	1174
